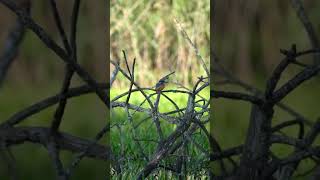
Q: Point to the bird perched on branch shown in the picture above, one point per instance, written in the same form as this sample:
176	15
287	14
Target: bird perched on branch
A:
161	84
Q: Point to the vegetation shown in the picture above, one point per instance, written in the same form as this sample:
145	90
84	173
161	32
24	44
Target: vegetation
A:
147	31
126	149
150	32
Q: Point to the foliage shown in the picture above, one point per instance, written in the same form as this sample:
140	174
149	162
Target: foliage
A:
147	30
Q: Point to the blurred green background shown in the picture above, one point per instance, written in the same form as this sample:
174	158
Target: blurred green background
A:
247	36
146	31
37	73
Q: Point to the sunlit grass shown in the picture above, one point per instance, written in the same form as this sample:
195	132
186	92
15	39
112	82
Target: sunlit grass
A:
134	163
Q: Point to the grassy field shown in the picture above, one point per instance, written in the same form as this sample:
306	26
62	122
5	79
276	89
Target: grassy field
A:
126	149
146	30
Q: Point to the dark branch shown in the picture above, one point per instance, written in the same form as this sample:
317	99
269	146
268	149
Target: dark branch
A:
11	45
236	96
39	106
29	23
39	135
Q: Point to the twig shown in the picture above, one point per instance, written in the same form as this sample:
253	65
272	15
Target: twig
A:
302	15
186	36
236	96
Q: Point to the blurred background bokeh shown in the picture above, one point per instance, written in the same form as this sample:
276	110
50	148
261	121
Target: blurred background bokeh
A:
147	31
247	38
248	34
37	73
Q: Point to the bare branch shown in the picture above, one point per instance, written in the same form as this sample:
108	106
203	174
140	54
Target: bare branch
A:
29	23
12	43
303	17
236	96
39	135
37	107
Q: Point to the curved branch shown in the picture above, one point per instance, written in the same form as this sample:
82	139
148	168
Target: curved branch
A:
43	104
236	96
40	135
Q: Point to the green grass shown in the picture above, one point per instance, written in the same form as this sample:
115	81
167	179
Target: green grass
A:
147	32
133	161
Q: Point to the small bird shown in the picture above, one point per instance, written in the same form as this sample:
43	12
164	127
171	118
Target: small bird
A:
161	84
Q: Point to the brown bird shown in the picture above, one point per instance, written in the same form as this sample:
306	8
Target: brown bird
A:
161	84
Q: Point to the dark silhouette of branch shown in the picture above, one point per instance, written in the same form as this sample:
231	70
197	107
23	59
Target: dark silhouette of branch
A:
12	43
66	82
54	153
301	77
59	25
87	149
68	75
272	82
40	135
236	96
39	106
219	70
289	124
29	23
312	35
